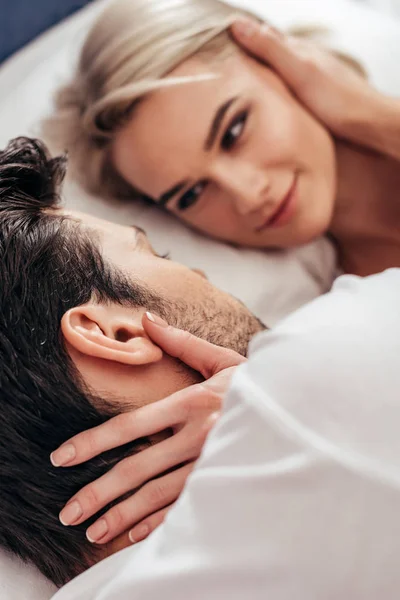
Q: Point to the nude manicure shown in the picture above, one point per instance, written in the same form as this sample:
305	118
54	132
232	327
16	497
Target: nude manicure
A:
137	535
63	455
156	319
71	513
97	531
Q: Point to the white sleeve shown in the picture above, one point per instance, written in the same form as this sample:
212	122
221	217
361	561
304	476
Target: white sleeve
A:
297	492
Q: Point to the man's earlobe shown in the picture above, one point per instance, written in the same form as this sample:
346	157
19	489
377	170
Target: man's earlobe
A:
110	333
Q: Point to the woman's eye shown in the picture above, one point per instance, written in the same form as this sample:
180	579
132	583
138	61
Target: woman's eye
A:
190	197
234	131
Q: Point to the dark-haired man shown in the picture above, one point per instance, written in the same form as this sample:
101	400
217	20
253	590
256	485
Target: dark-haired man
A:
72	348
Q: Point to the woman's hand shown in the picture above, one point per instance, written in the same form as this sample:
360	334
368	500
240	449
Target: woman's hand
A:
337	95
190	413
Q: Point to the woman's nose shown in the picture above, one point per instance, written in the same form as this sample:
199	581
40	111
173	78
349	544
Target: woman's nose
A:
247	186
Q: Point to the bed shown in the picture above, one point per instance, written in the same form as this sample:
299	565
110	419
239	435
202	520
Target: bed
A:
271	284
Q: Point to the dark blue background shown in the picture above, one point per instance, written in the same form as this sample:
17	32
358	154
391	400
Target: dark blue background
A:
23	20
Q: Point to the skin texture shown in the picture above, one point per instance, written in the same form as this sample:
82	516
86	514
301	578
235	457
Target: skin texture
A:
277	142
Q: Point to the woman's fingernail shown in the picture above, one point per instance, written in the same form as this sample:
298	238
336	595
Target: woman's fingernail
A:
63	455
71	513
271	31
156	319
97	531
139	534
245	27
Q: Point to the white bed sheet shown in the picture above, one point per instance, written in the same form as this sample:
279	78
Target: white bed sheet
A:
272	284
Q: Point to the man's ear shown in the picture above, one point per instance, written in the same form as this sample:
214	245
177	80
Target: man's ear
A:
109	332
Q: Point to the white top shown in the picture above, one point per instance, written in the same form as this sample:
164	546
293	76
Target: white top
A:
297	492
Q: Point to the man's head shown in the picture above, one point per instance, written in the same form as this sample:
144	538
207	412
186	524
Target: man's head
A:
96	332
72	349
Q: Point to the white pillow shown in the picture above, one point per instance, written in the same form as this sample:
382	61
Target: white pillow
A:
271	284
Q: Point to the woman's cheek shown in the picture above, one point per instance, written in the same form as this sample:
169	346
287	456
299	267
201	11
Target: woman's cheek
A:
275	135
217	218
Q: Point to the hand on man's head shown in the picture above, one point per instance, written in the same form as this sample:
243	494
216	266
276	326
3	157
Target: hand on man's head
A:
189	413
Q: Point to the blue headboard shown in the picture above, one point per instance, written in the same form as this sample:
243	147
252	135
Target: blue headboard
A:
23	20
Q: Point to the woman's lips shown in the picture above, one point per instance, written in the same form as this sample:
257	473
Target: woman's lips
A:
285	210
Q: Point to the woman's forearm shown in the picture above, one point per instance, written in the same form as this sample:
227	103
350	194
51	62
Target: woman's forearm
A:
377	126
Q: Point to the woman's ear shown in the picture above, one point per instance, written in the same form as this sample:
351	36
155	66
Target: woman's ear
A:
110	332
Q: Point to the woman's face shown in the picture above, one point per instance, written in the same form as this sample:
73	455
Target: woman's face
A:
236	157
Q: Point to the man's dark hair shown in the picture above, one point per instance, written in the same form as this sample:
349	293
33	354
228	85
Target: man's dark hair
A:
49	264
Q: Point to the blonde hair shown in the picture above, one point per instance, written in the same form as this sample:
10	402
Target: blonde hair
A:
129	53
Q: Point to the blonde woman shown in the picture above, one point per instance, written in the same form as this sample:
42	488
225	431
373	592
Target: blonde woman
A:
165	106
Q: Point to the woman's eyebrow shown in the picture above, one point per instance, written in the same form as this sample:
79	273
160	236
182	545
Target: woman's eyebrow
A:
208	144
217	122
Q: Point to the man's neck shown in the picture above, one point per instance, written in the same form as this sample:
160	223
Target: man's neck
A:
367	210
